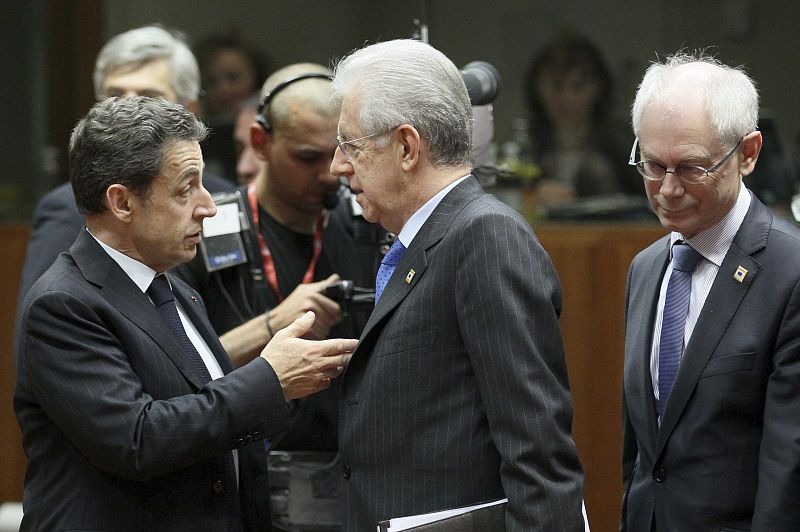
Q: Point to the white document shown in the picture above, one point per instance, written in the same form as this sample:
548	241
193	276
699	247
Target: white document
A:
404	523
399	524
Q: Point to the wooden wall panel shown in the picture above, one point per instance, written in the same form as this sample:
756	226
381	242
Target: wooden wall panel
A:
592	264
14	239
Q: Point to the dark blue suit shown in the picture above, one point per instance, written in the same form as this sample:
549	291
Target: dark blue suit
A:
727	453
118	430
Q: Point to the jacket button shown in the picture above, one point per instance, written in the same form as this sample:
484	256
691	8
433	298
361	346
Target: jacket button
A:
218	487
240	442
660	475
346	471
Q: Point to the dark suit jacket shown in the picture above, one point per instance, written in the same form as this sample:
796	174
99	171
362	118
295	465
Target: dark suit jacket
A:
727	454
458	390
56	223
118	431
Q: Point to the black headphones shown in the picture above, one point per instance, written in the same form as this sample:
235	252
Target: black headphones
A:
263	109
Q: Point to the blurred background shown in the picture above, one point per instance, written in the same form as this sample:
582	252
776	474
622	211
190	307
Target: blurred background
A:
48	54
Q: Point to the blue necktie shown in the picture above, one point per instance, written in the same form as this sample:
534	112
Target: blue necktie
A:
388	265
673	324
161	294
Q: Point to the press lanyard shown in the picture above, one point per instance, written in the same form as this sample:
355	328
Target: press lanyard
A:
266	255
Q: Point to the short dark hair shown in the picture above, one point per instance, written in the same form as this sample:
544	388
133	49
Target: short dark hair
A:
122	140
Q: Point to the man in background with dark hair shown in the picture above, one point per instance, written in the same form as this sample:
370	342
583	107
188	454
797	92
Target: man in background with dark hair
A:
146	61
132	415
302	238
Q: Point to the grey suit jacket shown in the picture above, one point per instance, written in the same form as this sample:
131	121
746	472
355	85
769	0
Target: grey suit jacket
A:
727	453
118	431
458	390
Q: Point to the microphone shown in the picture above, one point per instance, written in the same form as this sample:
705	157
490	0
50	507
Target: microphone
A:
482	81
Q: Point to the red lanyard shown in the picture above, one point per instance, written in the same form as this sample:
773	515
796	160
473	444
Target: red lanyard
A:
266	255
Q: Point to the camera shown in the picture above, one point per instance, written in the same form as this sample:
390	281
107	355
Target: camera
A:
349	296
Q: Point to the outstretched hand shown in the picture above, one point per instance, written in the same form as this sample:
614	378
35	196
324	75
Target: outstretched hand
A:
306	366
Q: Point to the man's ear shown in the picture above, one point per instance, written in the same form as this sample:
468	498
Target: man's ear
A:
261	139
751	147
120	202
411	145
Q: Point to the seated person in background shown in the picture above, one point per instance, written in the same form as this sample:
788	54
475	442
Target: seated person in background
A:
574	141
248	165
231	72
146	61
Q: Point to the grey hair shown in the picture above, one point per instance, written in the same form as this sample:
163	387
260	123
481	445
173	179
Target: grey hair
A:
731	95
313	94
123	140
409	82
140	46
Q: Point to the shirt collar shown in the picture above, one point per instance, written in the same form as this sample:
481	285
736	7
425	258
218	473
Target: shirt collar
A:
139	273
714	242
414	224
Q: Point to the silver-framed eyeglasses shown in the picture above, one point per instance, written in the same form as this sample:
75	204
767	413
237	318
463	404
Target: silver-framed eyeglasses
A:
346	146
688	173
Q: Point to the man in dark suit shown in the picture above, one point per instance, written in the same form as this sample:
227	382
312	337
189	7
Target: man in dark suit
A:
146	61
711	430
457	393
132	416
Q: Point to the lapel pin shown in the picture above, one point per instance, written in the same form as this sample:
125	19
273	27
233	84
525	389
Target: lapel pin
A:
194	298
410	276
740	274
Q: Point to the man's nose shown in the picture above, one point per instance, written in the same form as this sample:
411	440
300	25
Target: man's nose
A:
340	166
671	185
206	208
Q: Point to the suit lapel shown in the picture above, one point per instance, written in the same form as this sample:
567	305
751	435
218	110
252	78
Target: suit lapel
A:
643	302
722	302
122	293
414	263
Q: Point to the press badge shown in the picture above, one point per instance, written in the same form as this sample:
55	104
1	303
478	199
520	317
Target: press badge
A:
222	245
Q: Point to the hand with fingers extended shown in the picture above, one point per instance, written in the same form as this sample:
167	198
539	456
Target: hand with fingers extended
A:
306	366
304	298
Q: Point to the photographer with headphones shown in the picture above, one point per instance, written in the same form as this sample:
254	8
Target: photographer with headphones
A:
291	234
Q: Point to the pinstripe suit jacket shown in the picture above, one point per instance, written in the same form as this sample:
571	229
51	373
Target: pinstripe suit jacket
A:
458	390
118	431
727	453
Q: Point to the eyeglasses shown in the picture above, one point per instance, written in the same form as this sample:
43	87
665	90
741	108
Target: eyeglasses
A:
690	174
346	146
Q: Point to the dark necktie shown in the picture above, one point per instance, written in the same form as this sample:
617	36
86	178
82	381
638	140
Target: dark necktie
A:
161	294
388	265
673	324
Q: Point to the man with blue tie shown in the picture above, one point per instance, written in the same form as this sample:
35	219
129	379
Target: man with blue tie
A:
457	393
132	415
711	416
